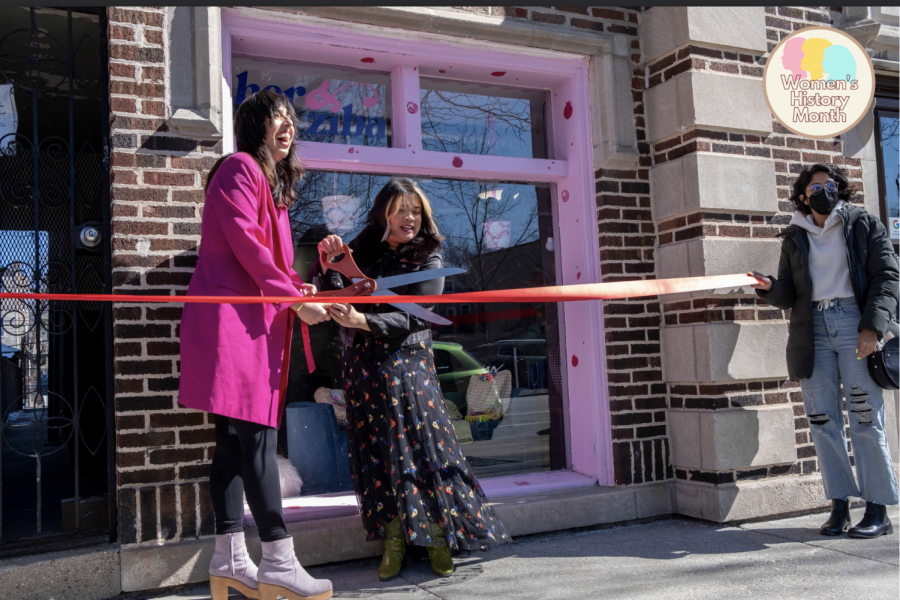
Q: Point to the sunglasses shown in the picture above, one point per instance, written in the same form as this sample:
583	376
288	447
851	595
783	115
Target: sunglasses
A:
818	187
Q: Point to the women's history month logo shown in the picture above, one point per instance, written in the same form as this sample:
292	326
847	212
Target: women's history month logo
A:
819	82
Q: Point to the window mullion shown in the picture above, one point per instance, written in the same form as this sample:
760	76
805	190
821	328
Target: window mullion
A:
405	115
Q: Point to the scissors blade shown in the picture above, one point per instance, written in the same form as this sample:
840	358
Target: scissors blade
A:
416	310
408	278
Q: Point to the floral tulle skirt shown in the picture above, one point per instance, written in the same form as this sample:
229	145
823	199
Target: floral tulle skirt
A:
404	456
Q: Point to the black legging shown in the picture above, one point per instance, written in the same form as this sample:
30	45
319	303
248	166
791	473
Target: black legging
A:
245	461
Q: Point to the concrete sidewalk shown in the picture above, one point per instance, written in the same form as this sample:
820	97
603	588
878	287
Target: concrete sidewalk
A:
670	559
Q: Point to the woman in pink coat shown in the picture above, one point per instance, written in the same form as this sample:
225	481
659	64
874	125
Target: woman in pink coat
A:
234	357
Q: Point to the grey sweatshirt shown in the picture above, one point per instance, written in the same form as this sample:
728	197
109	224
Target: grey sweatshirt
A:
828	266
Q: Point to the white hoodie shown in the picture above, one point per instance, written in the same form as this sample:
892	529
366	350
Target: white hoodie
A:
828	262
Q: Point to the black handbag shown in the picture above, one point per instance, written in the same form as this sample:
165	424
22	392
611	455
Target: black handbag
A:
883	365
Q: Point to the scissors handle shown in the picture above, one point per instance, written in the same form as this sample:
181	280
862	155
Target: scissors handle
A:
347	266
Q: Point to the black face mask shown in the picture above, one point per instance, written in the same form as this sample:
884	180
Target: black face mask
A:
823	202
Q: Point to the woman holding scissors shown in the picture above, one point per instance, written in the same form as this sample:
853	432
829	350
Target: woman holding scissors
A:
413	482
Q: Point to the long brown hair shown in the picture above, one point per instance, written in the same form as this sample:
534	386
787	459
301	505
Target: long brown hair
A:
249	133
387	203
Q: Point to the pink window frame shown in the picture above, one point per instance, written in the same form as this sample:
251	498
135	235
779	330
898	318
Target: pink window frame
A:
569	170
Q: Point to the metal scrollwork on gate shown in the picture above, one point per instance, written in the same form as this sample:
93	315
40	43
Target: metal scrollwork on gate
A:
53	381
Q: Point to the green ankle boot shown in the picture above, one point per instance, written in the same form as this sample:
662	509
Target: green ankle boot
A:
394	551
439	551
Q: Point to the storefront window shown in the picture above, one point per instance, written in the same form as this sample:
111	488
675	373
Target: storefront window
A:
501	234
477	119
478	142
335	104
888	143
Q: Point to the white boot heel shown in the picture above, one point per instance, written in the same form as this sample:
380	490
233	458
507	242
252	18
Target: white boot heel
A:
231	567
280	573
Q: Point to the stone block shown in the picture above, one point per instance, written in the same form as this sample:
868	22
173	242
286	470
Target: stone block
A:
886	14
728	439
702	257
670	107
715	183
706	99
154	566
87	574
724	351
744	501
585	507
195	71
330	540
654	500
684	438
665	28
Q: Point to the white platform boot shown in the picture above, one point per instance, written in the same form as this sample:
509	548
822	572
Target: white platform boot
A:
280	573
231	567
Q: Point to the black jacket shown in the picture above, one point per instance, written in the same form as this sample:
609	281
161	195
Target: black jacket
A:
389	326
873	275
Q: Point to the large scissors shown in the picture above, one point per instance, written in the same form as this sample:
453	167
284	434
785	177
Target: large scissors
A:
366	286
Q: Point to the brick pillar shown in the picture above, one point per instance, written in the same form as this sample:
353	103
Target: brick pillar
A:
637	393
163	451
721	180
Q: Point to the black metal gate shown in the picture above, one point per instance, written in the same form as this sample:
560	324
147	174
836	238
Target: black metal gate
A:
56	422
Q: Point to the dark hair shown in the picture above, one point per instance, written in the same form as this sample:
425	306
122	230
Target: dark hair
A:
386	204
839	174
249	133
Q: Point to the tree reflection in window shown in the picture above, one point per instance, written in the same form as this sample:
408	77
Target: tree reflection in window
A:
489	120
467	213
330	202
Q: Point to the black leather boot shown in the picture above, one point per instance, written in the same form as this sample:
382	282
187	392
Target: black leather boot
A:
839	520
874	523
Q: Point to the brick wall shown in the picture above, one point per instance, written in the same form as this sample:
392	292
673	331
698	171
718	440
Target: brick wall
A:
163	451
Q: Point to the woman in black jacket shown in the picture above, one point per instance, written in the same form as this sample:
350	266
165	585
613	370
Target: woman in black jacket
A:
413	482
838	275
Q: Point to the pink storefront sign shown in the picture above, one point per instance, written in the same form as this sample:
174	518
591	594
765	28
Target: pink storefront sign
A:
568	169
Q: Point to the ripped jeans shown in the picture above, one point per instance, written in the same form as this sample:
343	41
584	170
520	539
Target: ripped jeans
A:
835	327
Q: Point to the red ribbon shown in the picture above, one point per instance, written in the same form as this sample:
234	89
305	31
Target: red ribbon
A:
561	293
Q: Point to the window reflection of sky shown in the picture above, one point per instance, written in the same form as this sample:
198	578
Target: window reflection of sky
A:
465	211
475	216
488	120
890	157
